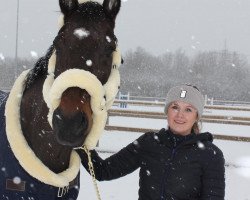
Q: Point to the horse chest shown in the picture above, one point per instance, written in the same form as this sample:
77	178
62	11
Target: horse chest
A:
15	182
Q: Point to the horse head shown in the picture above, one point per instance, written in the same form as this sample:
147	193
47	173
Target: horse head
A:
85	59
62	102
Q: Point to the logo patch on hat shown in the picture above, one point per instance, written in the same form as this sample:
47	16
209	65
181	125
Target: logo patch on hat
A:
183	93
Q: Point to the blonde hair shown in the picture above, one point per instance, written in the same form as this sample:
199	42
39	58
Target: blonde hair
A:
196	127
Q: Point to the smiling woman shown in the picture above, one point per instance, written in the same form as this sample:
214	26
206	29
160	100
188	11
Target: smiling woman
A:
184	106
181	117
175	163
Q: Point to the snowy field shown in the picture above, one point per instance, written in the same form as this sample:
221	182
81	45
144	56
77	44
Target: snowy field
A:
236	153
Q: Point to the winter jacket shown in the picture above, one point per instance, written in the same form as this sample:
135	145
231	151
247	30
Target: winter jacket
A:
171	167
16	183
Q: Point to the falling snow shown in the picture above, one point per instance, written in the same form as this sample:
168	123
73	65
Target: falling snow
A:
1	56
89	63
33	54
58	116
17	180
108	39
148	172
156	137
201	145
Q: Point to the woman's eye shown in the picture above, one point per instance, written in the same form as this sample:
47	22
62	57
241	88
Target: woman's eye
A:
175	107
189	110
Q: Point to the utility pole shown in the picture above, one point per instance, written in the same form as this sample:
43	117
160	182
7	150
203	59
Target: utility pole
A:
16	51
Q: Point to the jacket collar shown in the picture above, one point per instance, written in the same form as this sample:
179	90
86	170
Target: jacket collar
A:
166	137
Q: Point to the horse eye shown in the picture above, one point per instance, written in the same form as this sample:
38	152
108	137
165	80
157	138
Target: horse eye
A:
109	50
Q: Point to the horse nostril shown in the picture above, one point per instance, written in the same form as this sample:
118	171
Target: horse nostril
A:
57	118
83	122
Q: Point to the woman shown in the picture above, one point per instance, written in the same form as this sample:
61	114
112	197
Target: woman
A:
176	163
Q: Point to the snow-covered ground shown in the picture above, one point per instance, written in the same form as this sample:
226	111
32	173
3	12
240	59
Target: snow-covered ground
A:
236	153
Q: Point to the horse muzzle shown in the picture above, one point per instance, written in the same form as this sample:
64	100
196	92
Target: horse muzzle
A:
70	130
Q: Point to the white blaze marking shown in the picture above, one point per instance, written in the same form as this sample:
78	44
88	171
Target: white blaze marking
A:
81	33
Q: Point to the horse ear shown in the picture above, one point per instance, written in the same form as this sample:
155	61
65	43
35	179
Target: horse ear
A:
112	7
68	5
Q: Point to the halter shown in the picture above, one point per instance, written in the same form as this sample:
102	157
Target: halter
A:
102	96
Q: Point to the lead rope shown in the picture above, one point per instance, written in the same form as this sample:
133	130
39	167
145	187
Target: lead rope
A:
92	172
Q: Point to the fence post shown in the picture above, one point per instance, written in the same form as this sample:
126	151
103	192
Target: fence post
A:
206	100
212	101
123	97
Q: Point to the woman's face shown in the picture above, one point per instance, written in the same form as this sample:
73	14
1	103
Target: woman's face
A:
181	117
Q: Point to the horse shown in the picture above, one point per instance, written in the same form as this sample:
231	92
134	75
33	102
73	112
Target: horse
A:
59	105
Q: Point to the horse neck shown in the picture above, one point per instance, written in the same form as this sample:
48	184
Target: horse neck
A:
38	132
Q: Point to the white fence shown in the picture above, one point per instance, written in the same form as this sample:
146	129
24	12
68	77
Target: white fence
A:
208	100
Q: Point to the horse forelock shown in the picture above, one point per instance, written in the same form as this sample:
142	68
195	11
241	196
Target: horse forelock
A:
90	10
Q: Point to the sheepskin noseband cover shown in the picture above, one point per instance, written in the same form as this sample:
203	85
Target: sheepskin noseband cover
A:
102	96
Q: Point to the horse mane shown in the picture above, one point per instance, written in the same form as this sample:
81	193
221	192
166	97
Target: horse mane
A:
40	68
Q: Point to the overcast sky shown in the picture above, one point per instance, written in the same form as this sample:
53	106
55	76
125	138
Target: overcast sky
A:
156	25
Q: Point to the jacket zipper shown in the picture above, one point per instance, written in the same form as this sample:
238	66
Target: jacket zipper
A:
166	174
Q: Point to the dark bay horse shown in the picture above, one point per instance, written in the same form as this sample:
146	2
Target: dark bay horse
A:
60	104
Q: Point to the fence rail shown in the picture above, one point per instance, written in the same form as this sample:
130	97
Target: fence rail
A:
208	101
144	130
162	104
160	115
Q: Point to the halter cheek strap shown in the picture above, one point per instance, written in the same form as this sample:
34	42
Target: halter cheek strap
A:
113	84
50	79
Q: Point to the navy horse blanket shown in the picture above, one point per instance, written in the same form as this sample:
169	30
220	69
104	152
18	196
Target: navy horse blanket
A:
16	183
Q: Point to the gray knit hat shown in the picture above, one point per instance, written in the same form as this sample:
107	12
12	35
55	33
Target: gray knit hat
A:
187	93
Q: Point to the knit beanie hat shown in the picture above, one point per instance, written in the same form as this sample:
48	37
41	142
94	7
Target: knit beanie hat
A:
186	93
